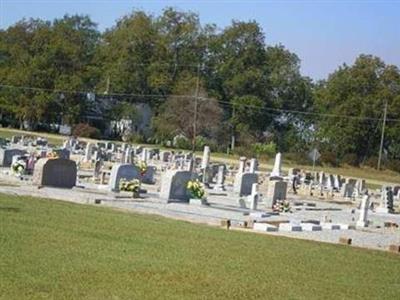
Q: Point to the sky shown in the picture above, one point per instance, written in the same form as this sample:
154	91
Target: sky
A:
324	34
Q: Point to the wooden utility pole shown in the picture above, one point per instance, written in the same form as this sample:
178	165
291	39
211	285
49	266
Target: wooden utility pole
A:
383	134
233	139
196	104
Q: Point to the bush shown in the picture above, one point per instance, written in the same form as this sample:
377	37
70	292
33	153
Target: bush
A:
85	130
264	149
135	138
393	165
243	151
350	159
371	162
329	159
297	158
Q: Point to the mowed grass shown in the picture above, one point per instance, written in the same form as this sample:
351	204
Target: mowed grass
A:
58	250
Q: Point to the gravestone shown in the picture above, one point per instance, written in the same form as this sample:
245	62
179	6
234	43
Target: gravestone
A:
6	156
347	190
276	173
253	165
57	172
206	157
360	186
243	183
276	191
148	176
128	158
145	155
219	186
15	139
386	205
253	198
242	164
88	151
62	153
174	185
165	156
119	171
97	168
363	221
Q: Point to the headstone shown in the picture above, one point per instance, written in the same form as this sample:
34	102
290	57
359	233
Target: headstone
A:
57	172
15	139
119	171
30	165
219	186
253	198
165	156
243	183
128	158
206	157
363	221
360	186
88	151
276	173
7	154
386	205
253	165
242	164
63	153
174	185
148	176
97	168
276	191
144	155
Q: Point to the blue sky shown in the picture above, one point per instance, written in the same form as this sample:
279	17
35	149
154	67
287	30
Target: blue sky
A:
324	34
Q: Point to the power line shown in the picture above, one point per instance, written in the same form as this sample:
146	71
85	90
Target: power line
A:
268	109
306	112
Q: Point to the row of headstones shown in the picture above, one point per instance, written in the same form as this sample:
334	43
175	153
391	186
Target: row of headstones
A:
28	141
347	187
7	155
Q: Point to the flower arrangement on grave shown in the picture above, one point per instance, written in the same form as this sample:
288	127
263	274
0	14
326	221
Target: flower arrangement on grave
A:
142	167
281	206
196	189
18	167
132	186
52	155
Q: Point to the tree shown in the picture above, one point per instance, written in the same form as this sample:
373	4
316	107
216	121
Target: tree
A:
177	117
358	91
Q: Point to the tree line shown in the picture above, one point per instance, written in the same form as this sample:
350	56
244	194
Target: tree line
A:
205	84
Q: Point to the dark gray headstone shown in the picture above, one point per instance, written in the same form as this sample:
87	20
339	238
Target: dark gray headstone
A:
6	156
57	172
244	182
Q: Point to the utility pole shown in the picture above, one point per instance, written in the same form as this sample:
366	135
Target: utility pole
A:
233	131
383	134
196	104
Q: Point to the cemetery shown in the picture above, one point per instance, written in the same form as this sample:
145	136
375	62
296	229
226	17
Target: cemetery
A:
199	149
299	203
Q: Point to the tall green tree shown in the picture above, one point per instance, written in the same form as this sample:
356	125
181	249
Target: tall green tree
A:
358	93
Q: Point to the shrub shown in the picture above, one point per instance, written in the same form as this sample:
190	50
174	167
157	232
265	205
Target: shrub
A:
329	159
243	151
393	164
350	159
264	149
135	138
371	162
85	130
298	158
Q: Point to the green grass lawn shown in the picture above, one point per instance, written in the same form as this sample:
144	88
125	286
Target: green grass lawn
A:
57	250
